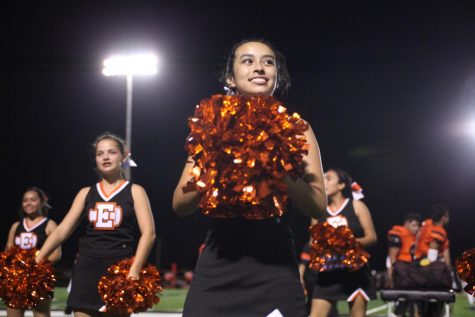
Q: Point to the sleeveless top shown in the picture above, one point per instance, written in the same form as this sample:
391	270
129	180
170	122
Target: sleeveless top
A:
111	224
29	238
345	215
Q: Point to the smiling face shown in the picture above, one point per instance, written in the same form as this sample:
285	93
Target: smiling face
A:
254	70
31	203
108	157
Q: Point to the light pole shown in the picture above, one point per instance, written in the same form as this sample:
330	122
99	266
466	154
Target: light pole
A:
130	66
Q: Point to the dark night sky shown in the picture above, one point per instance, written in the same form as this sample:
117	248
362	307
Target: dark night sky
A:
383	85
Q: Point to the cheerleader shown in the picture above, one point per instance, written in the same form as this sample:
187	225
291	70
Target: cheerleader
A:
248	267
31	232
112	209
356	287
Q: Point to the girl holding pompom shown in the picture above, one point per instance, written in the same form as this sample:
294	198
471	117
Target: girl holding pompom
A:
241	178
355	287
112	209
31	232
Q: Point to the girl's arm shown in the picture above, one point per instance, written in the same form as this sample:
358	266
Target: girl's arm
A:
308	193
146	224
11	236
184	204
56	254
65	228
364	217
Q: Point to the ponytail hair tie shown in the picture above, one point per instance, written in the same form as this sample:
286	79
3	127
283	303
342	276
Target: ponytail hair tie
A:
44	198
128	161
229	91
357	191
45	202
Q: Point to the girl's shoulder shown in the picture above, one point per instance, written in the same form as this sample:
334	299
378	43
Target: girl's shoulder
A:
84	190
137	189
15	225
359	206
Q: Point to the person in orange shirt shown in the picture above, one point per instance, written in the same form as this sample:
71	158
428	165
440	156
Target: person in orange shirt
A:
402	243
432	252
432	241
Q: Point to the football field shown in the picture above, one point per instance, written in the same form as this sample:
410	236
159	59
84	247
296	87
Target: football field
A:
171	305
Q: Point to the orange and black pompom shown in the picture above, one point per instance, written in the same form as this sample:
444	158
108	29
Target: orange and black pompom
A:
23	282
335	248
465	266
242	147
123	295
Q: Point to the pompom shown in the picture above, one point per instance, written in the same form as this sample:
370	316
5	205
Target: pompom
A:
465	266
126	296
335	248
242	147
23	282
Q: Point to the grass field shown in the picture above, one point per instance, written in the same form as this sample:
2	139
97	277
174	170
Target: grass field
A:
172	301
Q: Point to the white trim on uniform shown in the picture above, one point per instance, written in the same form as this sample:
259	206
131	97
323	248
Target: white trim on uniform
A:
113	193
334	213
359	291
35	225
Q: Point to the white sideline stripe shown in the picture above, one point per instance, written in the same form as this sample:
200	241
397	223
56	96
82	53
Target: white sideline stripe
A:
376	309
58	313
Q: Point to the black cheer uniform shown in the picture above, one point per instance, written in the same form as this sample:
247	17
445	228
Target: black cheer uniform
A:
34	237
29	238
108	238
247	268
340	284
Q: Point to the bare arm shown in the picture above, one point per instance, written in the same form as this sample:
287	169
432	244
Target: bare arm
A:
66	227
146	224
11	236
308	193
392	253
55	256
364	217
302	269
184	204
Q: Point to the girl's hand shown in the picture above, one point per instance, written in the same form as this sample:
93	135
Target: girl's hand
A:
39	259
133	275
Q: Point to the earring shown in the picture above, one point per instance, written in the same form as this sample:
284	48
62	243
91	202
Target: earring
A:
230	91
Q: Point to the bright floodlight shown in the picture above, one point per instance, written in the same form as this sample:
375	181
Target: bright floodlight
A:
470	128
130	65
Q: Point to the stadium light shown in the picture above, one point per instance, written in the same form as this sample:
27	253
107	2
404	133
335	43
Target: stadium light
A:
130	66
